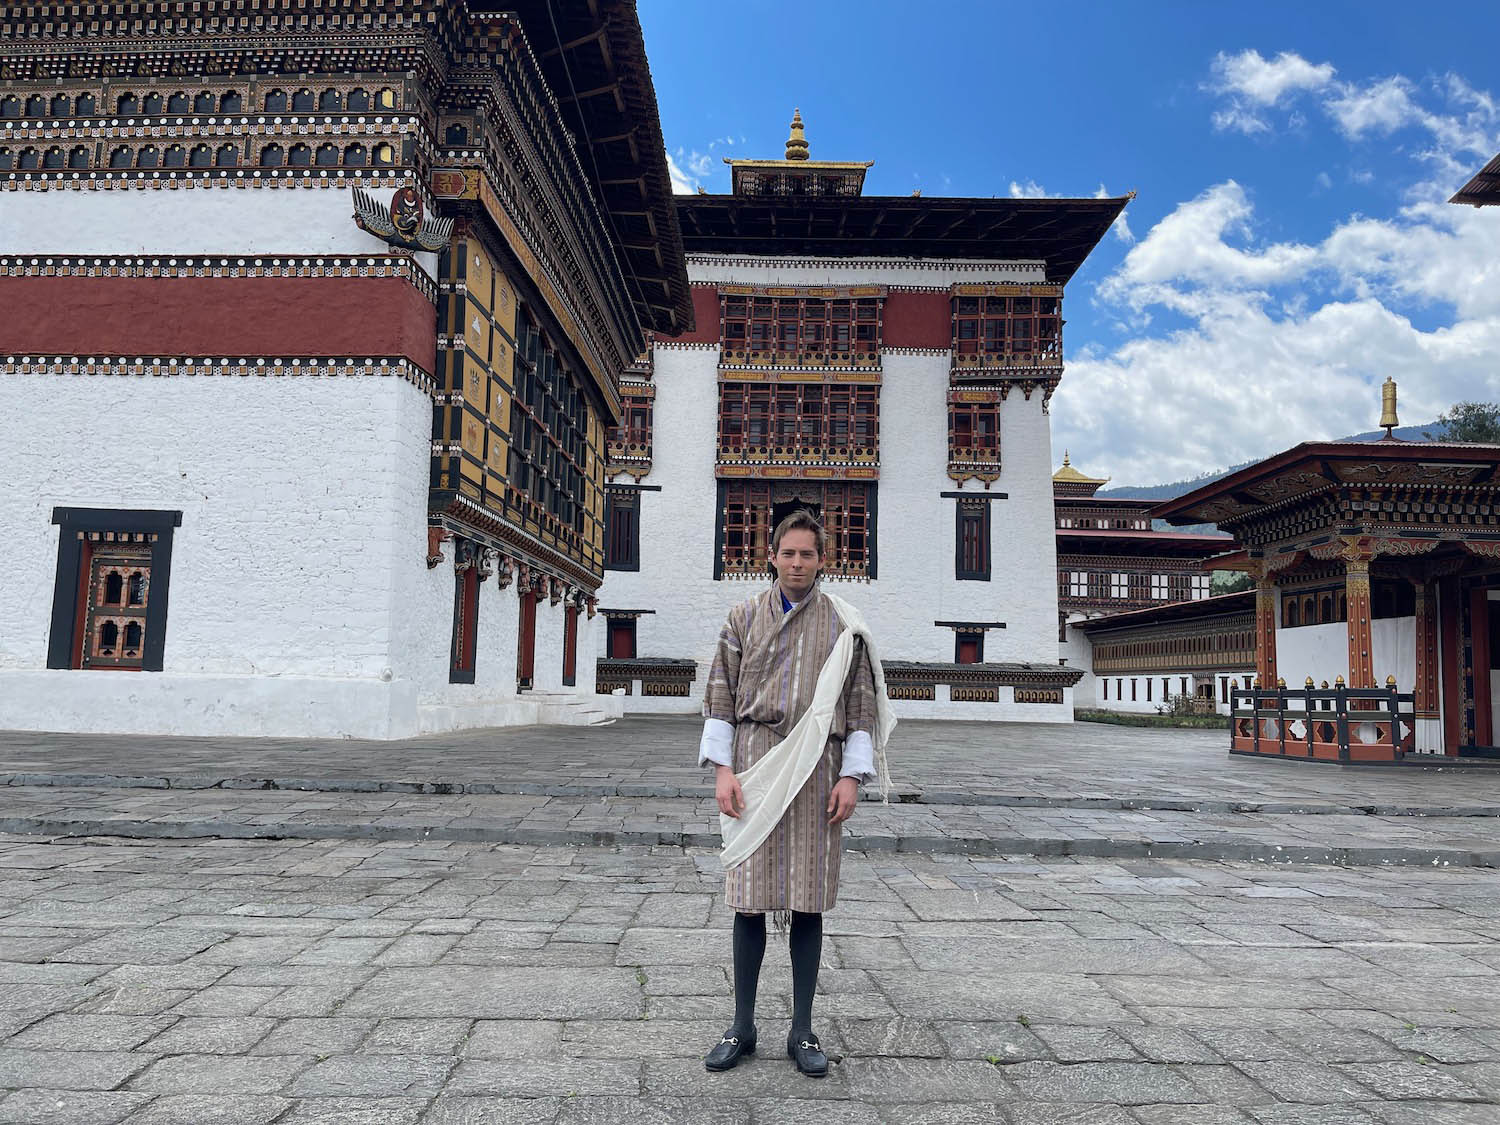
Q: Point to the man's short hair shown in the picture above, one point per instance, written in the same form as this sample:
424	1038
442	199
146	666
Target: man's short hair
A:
800	520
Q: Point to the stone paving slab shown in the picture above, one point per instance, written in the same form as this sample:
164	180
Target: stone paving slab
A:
1078	765
897	828
1084	991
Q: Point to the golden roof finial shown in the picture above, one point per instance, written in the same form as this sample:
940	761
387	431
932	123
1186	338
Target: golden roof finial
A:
796	144
1388	417
1065	458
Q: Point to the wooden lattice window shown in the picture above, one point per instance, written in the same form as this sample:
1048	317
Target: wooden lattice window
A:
114	618
972	541
798	421
549	426
109	608
630	441
748	514
973	434
799	331
1023	330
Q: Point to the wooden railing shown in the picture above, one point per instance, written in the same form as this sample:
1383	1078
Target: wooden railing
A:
1338	724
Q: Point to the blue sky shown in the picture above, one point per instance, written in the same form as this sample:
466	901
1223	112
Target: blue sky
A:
1288	246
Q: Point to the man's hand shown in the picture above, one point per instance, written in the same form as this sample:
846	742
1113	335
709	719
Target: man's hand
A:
842	800
728	793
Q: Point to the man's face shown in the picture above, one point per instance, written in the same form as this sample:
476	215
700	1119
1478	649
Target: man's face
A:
796	562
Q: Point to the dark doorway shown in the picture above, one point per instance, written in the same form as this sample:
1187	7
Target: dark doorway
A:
526	640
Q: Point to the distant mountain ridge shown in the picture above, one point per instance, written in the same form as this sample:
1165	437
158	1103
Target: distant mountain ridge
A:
1182	487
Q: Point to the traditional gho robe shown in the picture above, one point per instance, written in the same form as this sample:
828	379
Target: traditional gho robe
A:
764	672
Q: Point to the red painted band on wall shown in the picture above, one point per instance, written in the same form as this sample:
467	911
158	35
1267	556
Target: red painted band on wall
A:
218	316
705	318
917	320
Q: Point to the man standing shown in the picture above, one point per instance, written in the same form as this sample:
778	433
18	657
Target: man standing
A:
795	718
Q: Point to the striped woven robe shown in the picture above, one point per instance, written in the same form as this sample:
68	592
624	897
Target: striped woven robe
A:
764	673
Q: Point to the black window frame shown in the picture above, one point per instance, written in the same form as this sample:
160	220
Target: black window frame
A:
618	498
979	513
74	524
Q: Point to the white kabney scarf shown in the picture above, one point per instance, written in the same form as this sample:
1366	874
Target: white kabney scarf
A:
772	782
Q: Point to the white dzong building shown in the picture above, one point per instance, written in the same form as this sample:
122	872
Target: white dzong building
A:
887	362
311	331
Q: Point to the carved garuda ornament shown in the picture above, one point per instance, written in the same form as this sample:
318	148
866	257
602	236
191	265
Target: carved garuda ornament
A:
402	223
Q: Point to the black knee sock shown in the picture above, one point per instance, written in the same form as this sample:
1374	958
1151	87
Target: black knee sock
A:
749	951
807	951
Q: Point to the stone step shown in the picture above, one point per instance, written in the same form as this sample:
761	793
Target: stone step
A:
693	822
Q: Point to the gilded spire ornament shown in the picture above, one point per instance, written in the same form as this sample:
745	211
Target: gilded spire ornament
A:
796	144
1388	417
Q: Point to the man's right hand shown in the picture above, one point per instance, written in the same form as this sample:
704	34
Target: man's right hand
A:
728	793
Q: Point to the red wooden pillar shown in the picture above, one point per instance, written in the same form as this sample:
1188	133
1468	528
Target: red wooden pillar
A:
1449	593
1357	594
1425	693
1265	633
1479	642
1425	697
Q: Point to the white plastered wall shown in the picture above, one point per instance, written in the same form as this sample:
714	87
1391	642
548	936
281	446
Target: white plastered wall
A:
308	219
300	600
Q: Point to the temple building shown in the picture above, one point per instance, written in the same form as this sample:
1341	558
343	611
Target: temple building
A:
1377	599
364	457
1133	605
888	363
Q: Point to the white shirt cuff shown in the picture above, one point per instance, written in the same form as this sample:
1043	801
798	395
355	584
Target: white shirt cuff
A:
717	743
859	756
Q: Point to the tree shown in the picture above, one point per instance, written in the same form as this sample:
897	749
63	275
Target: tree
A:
1229	582
1471	421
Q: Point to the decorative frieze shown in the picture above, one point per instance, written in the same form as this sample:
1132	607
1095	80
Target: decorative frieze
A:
241	366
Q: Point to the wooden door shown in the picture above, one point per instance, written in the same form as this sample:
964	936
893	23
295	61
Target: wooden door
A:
570	646
526	652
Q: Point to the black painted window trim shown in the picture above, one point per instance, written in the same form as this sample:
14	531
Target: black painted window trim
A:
962	511
73	522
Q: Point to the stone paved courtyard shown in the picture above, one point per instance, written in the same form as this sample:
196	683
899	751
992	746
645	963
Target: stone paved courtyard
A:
376	980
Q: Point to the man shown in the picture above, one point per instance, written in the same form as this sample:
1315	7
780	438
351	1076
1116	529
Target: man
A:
795	718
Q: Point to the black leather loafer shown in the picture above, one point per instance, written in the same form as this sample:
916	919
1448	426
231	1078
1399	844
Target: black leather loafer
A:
807	1053
729	1050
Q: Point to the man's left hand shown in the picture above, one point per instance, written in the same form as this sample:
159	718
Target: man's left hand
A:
842	800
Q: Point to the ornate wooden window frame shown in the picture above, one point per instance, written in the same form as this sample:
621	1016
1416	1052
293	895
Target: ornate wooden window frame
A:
71	585
796	327
1006	326
849	512
798	423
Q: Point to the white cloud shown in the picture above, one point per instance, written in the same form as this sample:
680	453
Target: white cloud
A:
682	183
1268	342
1029	190
1190	247
688	170
1264	82
1253	84
1381	108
